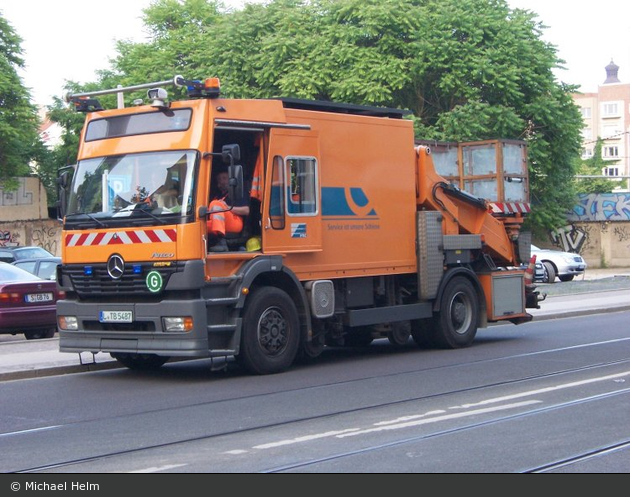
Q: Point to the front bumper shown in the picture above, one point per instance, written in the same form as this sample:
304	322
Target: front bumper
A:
571	269
145	335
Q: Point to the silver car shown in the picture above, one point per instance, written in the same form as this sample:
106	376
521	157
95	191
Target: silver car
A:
564	265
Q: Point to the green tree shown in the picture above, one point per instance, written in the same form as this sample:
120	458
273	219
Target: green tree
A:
467	69
594	166
19	139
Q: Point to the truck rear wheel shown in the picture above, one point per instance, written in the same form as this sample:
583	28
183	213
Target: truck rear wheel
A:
456	324
271	332
140	362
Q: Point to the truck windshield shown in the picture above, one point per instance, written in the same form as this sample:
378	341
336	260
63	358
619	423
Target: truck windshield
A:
155	185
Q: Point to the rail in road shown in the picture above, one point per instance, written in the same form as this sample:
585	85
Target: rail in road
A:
555	402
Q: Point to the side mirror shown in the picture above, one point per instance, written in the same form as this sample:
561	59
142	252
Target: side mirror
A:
235	186
63	179
63	184
231	154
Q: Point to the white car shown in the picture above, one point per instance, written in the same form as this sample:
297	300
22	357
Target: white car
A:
564	265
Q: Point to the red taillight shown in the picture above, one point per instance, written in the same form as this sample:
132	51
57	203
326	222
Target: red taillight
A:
10	298
61	295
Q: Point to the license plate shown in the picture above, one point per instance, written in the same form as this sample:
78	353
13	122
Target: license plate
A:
38	297
116	317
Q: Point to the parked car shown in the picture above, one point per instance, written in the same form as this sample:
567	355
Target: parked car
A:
12	254
564	265
27	303
539	273
45	268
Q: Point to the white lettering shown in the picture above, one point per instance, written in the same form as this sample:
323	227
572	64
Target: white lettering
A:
43	486
85	486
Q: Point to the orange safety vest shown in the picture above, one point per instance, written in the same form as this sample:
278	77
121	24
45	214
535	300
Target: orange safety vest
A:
223	222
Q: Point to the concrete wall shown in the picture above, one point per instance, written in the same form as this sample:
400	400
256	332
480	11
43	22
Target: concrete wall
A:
601	244
45	233
24	217
598	228
29	201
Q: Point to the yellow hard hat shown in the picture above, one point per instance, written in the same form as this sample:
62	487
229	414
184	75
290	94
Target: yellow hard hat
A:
253	244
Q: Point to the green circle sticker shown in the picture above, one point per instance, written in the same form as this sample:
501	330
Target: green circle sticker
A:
154	281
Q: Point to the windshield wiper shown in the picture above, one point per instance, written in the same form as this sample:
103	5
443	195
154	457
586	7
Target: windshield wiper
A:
96	220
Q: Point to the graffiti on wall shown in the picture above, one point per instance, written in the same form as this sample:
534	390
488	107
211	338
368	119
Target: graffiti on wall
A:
46	237
601	207
9	239
45	234
571	238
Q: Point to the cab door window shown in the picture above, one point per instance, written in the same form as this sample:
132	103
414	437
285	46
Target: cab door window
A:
302	195
276	210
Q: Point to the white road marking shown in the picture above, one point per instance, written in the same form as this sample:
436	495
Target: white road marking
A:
305	438
440	418
156	469
32	430
409	418
542	390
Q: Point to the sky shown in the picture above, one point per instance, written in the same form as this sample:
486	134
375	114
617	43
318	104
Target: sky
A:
66	40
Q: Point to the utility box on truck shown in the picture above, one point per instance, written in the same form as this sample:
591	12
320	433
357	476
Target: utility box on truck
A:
351	234
495	170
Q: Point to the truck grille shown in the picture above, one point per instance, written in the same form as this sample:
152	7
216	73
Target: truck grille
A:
99	282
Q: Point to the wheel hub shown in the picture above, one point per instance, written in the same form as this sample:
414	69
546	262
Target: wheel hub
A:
460	313
272	331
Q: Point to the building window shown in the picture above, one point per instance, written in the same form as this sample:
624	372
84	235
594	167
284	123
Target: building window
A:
587	153
586	112
611	171
611	152
610	109
587	134
611	131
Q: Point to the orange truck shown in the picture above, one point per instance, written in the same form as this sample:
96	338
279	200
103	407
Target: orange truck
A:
351	234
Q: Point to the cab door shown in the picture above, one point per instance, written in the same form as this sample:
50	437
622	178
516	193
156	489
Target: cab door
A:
292	207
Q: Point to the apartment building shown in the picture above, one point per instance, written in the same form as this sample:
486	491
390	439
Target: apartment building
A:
606	115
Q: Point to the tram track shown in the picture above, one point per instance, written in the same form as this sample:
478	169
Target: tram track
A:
582	457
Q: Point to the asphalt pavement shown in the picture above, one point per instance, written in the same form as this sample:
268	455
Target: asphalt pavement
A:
597	291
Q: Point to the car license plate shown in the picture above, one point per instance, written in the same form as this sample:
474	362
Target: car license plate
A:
116	317
38	297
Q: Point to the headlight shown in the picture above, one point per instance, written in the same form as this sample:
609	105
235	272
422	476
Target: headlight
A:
68	323
181	324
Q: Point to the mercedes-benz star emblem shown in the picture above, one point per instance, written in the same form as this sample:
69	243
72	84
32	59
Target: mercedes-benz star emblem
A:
115	267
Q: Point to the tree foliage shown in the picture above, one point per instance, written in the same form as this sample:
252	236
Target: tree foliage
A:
19	139
467	69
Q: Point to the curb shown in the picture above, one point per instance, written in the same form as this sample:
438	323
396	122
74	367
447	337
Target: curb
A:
582	312
58	370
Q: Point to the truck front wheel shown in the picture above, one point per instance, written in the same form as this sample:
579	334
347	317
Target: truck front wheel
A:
455	325
270	336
